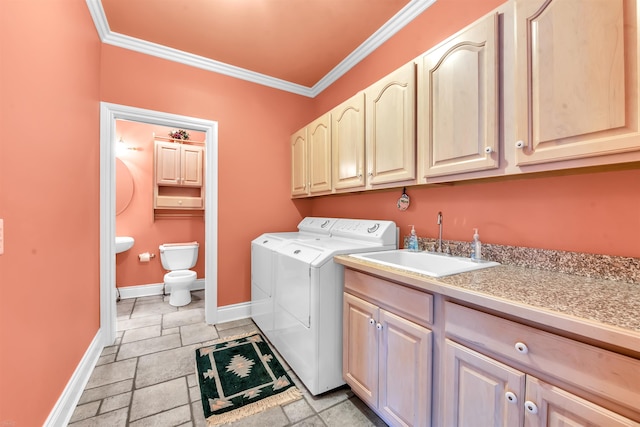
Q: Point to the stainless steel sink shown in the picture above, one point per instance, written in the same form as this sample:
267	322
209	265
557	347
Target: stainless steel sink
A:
428	263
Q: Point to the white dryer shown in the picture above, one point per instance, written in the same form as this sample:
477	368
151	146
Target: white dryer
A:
263	261
308	287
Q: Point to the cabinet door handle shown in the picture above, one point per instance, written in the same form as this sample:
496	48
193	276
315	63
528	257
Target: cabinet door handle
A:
531	407
521	348
511	397
379	326
520	144
371	321
488	150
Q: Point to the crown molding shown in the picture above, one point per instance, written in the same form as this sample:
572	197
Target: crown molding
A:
391	27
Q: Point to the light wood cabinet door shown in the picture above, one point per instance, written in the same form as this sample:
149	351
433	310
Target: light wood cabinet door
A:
299	163
576	79
191	165
360	348
405	371
458	103
390	128
476	388
347	138
319	152
167	163
179	164
550	406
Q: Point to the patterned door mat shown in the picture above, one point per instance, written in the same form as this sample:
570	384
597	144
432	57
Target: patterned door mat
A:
241	377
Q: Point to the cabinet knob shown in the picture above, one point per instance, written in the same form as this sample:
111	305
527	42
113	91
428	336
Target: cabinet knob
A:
511	397
488	150
531	407
521	348
179	202
371	321
379	326
520	144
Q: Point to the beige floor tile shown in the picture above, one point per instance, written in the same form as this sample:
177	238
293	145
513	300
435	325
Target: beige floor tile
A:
149	300
234	324
348	413
197	333
105	391
182	318
323	401
158	398
124	307
273	417
141	333
140	322
115	402
148	309
83	412
314	421
112	373
108	358
298	410
239	331
151	345
198	415
111	419
165	365
170	418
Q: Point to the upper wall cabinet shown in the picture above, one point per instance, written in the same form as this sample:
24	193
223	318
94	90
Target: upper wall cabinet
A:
179	172
311	158
576	79
390	129
347	137
458	103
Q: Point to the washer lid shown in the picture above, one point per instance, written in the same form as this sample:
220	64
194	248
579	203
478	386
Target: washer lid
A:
302	252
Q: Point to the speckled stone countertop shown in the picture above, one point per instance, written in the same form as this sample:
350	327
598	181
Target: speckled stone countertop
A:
604	310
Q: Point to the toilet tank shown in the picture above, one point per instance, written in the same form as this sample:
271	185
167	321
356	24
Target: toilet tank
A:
179	256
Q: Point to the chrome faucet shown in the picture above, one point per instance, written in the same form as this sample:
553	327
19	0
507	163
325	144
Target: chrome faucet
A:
439	248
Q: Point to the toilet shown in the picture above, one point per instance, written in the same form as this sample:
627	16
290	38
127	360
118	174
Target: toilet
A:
178	258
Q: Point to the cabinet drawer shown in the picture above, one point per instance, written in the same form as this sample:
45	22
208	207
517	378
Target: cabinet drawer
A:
407	302
174	202
598	371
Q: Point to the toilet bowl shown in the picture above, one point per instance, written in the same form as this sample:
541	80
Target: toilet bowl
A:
178	258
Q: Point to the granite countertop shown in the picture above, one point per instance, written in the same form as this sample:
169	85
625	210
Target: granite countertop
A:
606	311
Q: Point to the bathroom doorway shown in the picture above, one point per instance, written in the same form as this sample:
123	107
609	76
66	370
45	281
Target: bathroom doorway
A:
109	113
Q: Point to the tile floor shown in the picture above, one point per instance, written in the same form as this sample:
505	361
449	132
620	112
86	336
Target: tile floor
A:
147	378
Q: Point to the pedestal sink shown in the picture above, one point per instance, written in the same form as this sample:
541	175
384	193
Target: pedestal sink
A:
123	243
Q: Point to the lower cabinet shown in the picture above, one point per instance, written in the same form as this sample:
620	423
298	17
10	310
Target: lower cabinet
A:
387	362
480	391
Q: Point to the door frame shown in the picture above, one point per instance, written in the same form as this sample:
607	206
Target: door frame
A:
109	113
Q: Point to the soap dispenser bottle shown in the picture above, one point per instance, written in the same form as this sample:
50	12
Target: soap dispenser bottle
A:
413	240
476	251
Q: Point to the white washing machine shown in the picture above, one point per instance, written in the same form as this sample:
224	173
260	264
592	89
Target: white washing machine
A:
307	295
263	261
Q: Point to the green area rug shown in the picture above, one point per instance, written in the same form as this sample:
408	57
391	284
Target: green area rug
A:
240	377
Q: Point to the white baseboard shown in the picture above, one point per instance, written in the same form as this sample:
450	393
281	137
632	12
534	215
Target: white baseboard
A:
232	312
151	289
66	404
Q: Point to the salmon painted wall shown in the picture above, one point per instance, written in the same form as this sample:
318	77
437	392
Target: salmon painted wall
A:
49	200
588	212
254	125
584	212
136	219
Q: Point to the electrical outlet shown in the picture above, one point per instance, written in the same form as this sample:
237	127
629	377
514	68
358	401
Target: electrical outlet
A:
1	236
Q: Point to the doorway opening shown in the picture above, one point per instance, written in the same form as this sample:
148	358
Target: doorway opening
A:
109	113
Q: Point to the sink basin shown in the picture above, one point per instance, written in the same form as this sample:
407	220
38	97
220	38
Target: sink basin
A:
429	263
123	243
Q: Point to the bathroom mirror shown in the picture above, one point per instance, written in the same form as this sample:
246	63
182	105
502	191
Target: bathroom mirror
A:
124	186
